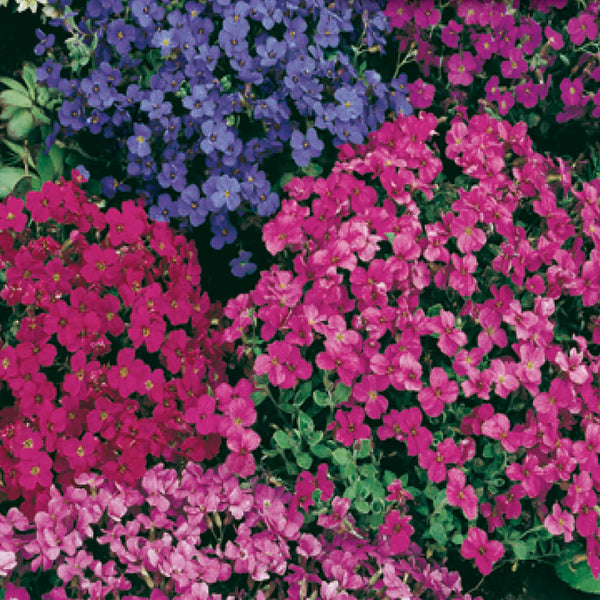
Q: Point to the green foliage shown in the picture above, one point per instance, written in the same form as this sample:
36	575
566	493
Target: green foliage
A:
573	569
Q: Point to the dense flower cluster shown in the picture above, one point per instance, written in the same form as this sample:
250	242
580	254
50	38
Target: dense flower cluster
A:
197	97
522	53
205	535
440	312
108	357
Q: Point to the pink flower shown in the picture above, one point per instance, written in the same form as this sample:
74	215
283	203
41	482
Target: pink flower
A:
560	522
451	339
505	102
554	38
461	495
581	27
571	91
284	365
426	15
571	364
11	215
460	277
421	93
460	68
515	66
8	561
442	391
485	553
241	444
351	426
399	13
399	530
450	34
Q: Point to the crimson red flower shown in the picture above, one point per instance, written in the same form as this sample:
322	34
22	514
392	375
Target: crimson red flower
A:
11	215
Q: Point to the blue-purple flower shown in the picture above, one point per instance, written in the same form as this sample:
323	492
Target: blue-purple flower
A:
305	147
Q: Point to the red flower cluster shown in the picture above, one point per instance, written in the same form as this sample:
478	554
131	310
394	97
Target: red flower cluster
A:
109	356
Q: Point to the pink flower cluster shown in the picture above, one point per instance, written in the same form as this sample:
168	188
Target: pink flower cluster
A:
109	356
530	52
358	293
205	535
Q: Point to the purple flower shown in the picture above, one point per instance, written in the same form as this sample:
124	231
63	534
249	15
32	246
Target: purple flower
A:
71	114
46	42
164	209
305	147
156	106
173	173
226	192
138	142
198	103
192	206
120	35
240	267
165	40
146	12
50	73
350	104
223	232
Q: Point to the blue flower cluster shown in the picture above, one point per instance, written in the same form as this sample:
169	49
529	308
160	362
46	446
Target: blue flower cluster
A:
198	94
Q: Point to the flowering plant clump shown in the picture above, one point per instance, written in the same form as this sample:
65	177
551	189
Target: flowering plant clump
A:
205	535
194	97
444	333
106	355
538	63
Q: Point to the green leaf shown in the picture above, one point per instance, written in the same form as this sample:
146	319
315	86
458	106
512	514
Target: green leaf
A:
30	78
438	532
13	98
303	393
20	126
305	424
258	397
321	398
304	460
9	177
282	439
320	451
364	450
575	571
390	236
13	84
362	506
341	393
40	117
314	437
521	549
341	456
45	167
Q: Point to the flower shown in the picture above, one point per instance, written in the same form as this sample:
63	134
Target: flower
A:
560	522
305	147
485	553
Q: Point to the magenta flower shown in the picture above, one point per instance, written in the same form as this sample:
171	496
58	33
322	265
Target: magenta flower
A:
571	91
442	391
581	27
560	522
351	426
460	68
485	553
284	365
421	94
460	494
399	530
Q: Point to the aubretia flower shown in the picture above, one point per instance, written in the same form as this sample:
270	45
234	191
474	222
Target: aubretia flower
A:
571	91
460	66
240	266
12	217
560	522
421	93
581	27
485	553
461	495
138	142
284	365
351	426
305	147
399	530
